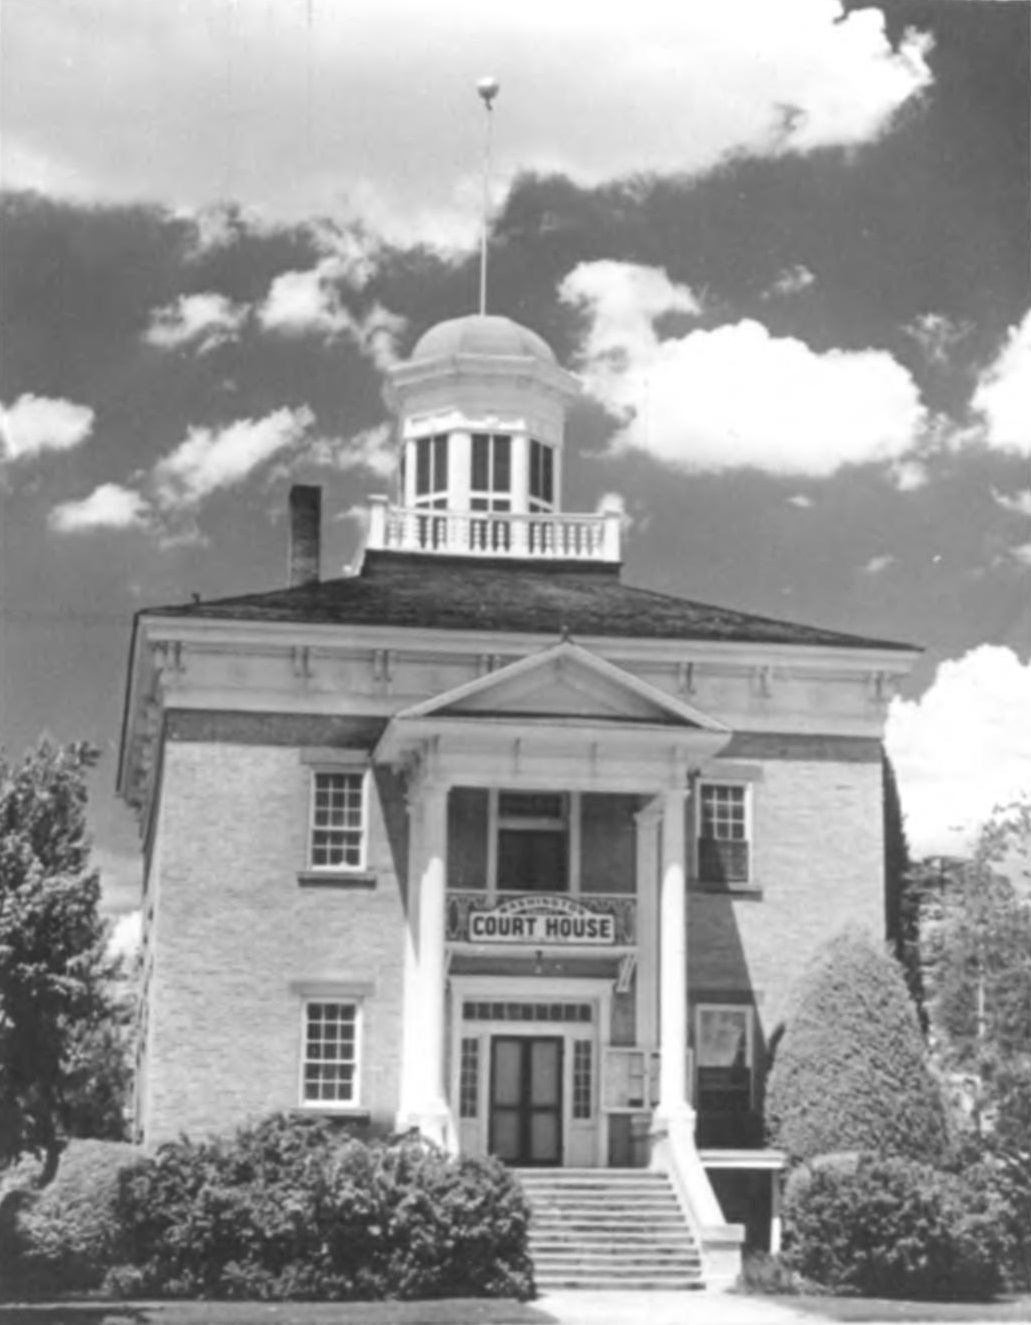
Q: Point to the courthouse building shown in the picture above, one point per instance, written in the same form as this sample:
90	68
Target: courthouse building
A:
482	839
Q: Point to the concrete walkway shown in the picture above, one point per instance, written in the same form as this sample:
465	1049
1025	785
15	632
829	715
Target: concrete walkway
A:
659	1308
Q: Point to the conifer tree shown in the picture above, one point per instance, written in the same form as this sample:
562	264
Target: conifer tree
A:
851	1070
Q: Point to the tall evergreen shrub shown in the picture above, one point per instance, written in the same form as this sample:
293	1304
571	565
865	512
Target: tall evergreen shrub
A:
851	1070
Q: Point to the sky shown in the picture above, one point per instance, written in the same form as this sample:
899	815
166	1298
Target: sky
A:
785	247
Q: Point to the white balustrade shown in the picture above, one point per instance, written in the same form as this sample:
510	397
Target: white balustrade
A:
557	537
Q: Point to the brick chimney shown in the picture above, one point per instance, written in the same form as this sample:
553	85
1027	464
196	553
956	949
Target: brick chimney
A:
305	533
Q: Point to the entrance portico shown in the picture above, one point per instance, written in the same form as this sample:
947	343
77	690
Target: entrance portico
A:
510	1044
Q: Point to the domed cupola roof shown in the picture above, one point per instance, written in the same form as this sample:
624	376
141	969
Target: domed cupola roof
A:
481	334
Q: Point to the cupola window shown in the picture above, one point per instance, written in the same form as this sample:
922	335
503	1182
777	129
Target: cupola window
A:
542	476
431	471
490	489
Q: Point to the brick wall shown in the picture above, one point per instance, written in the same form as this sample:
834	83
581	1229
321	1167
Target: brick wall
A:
237	930
819	865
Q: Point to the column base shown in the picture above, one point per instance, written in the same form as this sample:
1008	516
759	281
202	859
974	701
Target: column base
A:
433	1123
674	1152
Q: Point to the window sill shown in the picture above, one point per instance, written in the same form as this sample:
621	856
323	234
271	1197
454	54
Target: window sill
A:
336	878
745	891
352	1111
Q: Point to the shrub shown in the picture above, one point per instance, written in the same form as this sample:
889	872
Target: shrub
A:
766	1275
291	1208
61	1238
894	1228
851	1069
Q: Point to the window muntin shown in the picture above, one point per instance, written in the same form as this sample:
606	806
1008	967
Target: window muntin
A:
724	854
533	842
331	1047
723	1055
469	1078
338	821
431	470
542	476
482	1010
583	1079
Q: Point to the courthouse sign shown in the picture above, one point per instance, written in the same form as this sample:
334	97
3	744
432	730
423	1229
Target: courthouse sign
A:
543	921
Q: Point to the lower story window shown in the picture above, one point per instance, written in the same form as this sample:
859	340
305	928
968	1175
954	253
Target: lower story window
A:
330	1053
724	1059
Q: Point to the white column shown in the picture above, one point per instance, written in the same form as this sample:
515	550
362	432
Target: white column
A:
433	1109
776	1219
673	1101
647	824
411	1036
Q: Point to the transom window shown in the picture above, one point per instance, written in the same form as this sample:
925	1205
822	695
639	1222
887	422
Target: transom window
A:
330	1070
338	815
723	833
723	1054
542	476
533	842
497	1011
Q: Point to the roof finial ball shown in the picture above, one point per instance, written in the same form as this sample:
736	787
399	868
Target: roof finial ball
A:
488	89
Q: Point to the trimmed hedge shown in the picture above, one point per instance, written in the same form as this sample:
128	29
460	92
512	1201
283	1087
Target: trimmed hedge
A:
851	1070
61	1238
291	1209
894	1228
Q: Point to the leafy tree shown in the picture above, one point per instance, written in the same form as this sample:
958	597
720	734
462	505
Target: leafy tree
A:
851	1070
55	976
979	963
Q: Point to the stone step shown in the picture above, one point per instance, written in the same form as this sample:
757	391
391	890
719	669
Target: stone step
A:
628	1283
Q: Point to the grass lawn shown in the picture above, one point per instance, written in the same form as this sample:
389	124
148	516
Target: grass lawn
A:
889	1309
454	1311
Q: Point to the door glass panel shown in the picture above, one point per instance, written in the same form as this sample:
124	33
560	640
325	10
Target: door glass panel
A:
544	1088
507	1072
506	1135
544	1138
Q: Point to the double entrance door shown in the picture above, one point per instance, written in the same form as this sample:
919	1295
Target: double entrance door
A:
526	1099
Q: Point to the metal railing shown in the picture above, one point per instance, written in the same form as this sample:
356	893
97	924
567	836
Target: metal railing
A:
556	537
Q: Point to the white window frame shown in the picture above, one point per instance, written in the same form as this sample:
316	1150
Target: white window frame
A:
747	793
436	497
747	1010
536	504
355	1102
338	770
490	498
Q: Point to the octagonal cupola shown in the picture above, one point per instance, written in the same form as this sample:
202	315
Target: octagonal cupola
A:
480	409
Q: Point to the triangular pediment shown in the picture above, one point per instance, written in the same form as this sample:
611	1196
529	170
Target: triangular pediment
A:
565	681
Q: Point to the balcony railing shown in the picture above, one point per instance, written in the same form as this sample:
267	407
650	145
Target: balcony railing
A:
494	533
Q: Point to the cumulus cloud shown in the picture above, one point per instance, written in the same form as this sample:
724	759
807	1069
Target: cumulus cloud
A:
671	89
203	320
126	935
800	500
210	459
110	506
961	748
878	564
1019	503
34	424
1003	394
1022	554
307	303
792	281
936	335
372	450
735	395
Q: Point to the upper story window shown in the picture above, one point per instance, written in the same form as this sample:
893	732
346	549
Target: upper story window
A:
542	476
533	842
338	826
331	1054
490	482
431	471
724	833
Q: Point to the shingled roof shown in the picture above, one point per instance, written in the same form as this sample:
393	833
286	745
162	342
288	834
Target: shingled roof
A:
452	593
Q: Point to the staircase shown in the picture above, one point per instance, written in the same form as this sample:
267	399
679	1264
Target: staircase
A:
608	1229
